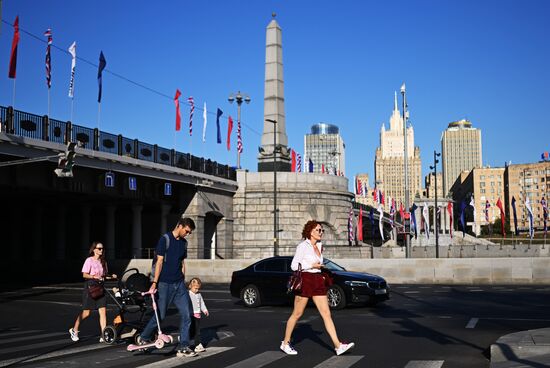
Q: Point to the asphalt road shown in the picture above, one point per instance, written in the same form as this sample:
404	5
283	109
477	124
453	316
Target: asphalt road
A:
420	326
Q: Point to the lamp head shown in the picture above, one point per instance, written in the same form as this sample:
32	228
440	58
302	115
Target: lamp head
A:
403	88
271	121
231	98
247	99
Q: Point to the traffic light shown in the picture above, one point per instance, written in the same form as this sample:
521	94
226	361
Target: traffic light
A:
65	161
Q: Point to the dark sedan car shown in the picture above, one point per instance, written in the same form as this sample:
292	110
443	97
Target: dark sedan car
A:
266	282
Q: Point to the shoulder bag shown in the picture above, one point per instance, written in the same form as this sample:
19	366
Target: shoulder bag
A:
295	280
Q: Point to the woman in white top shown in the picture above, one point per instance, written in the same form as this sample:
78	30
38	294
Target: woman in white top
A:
309	254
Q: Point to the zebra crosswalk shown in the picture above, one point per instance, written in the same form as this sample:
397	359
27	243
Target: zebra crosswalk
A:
17	345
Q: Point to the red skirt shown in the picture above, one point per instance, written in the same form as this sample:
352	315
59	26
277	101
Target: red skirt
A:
312	284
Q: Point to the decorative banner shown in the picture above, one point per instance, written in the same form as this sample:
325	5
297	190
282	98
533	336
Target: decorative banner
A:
502	217
14	44
426	215
293	162
311	168
350	225
516	231
239	138
544	205
178	115
298	162
359	224
462	223
229	130
204	114
473	204
413	218
218	115
72	51
191	102
450	211
380	217
48	34
530	214
102	65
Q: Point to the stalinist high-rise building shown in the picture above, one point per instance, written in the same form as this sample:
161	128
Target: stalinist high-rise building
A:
389	162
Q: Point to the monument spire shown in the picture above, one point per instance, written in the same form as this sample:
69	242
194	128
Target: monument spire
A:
274	104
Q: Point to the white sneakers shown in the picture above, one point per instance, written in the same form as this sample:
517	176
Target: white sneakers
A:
199	349
343	348
74	334
288	349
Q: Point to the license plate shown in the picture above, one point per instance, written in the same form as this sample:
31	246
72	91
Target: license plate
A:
381	291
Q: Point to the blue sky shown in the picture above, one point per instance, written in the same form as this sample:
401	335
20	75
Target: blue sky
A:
482	60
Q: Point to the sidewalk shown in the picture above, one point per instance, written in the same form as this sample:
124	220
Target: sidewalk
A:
529	348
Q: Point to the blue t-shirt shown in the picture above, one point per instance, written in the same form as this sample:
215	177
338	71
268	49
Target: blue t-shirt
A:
171	269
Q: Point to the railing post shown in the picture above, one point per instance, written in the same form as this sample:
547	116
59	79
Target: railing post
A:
45	128
155	153
120	148
9	121
136	147
173	157
68	132
95	144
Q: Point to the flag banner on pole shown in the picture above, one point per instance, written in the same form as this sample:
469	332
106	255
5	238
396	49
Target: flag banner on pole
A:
502	217
191	102
102	65
426	214
371	217
392	213
401	212
382	198
322	168
450	211
310	166
487	206
360	225
514	213
239	138
14	44
204	118
350	225
48	34
293	161
219	113
229	130
178	115
380	225
473	204
375	194
530	215
462	221
413	219
298	162
544	205
72	51
365	189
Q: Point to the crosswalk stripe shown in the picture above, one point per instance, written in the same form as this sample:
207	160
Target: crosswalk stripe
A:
32	337
15	333
259	360
15	349
472	323
34	358
176	362
424	364
340	361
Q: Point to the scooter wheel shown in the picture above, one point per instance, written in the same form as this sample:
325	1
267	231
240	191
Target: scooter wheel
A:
171	339
159	344
109	334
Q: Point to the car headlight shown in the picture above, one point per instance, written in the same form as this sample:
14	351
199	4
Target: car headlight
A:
356	283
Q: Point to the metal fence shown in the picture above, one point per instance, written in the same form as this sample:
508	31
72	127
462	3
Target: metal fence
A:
33	126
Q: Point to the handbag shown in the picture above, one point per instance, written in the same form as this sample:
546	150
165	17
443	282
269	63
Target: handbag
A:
327	276
96	290
295	280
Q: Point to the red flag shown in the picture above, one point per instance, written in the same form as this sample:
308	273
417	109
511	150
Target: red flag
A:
502	217
14	43
178	115
323	168
382	199
401	211
293	164
229	129
375	194
450	210
360	225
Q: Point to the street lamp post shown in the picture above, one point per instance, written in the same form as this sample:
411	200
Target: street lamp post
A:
239	98
436	230
405	167
275	229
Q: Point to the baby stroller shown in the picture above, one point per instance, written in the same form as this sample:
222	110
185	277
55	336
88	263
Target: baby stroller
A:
127	297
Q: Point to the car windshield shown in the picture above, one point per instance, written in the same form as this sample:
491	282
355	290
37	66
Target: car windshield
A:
332	266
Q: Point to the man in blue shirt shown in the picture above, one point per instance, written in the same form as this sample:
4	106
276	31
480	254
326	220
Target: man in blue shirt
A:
169	281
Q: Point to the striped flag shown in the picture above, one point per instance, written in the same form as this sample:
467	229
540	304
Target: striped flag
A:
48	34
298	162
204	114
72	51
178	115
191	102
350	225
14	44
239	138
516	231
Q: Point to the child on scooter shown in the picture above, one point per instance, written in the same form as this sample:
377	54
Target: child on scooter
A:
198	307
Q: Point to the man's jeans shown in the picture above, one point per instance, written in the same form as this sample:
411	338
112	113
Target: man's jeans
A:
168	293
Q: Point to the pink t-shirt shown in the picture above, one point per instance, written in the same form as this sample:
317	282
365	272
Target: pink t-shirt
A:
93	267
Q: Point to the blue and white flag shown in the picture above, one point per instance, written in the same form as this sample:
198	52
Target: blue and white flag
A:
516	231
219	132
380	217
462	222
72	51
413	217
310	166
426	215
530	214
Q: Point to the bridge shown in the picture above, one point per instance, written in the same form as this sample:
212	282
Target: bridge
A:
124	193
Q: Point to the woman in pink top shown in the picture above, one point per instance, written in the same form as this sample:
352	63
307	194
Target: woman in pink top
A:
309	254
94	271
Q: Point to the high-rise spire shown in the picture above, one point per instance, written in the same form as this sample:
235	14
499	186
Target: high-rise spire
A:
395	108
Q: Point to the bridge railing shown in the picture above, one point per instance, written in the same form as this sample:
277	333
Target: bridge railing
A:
44	128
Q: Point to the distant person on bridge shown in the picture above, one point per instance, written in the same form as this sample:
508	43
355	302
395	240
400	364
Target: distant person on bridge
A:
169	281
94	272
309	254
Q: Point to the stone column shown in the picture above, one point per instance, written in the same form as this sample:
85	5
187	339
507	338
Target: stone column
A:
85	242
61	238
136	231
164	210
196	241
110	224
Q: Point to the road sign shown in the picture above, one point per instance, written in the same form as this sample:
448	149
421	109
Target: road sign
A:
167	189
132	183
110	179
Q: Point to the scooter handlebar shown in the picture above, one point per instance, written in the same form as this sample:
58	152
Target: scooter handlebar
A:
148	292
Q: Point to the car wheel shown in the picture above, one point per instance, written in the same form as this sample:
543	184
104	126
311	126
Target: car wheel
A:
250	295
336	297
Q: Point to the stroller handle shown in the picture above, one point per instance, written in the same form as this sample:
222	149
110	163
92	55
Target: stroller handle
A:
148	292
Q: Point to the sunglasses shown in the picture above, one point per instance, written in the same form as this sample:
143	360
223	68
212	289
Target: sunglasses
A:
320	230
100	248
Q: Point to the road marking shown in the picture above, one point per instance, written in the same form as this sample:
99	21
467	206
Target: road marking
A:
56	288
51	302
411	292
176	362
259	360
475	290
340	361
472	323
15	333
424	364
442	291
31	337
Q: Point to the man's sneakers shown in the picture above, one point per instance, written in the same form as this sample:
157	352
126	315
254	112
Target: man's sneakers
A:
199	349
186	352
101	340
344	347
74	334
288	349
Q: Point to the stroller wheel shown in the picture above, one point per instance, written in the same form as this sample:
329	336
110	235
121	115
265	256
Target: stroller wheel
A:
109	334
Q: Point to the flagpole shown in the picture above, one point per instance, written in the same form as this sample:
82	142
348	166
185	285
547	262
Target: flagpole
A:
13	97
48	102
98	114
